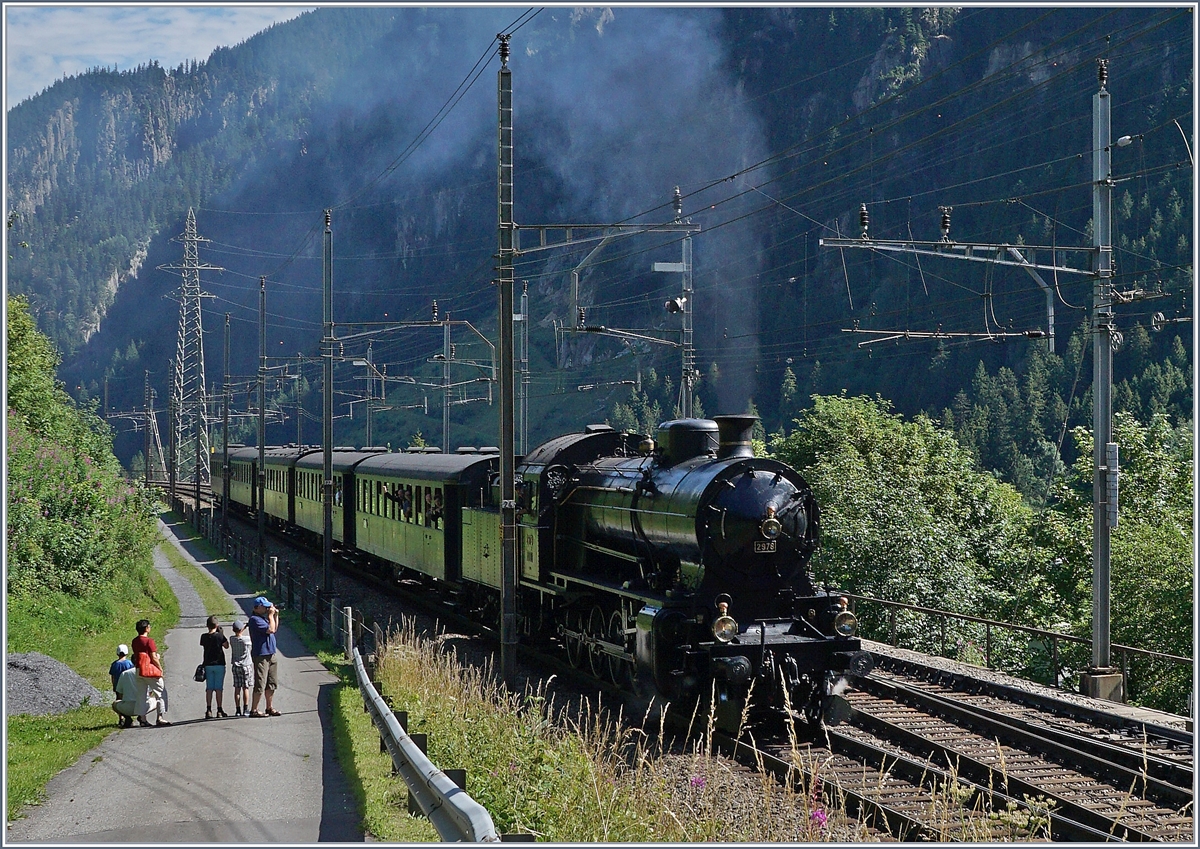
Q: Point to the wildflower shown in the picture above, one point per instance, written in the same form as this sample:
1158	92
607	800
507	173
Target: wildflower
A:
698	781
819	818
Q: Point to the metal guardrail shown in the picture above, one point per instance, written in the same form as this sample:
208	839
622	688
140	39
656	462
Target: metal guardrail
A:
455	815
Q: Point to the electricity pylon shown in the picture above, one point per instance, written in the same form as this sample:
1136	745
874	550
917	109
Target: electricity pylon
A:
188	391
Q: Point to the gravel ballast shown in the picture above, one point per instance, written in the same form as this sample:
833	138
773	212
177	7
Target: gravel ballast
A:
37	684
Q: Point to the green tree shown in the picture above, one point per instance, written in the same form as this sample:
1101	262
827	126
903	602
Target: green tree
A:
72	521
905	514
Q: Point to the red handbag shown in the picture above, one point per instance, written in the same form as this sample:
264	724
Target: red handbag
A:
146	667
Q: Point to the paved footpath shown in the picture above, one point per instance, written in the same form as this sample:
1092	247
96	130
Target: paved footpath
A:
234	780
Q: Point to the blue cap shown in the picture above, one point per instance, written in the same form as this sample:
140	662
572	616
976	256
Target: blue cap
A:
262	599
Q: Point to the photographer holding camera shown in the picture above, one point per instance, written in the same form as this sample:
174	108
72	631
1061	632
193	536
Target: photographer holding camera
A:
264	622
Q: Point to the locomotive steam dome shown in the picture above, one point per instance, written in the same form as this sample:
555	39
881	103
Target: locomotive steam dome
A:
683	439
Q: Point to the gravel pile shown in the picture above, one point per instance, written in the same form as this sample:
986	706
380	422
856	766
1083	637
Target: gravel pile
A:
37	684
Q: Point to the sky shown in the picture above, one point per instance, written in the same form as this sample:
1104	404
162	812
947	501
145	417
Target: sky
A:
43	42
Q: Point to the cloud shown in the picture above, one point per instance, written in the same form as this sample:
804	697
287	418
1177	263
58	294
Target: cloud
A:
42	44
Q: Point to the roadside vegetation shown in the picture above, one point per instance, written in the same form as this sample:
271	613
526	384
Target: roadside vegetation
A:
79	556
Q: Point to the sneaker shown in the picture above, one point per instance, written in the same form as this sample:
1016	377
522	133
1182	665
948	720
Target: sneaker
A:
208	714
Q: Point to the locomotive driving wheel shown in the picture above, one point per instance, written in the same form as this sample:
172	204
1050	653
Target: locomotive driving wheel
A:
597	659
619	671
574	645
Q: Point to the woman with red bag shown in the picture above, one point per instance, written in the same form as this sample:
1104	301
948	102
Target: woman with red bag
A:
151	691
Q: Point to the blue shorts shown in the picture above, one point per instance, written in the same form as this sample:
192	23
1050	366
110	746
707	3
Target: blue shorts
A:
214	677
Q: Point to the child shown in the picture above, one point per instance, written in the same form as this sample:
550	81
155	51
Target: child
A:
120	664
243	668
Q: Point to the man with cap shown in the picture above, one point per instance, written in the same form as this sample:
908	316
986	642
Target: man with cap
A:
264	622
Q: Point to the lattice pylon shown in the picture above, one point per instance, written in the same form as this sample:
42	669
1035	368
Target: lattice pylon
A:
188	390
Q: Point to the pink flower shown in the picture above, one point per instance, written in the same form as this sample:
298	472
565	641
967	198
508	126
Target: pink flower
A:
819	817
698	781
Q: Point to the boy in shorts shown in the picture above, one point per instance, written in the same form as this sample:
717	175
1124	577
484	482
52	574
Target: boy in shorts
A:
243	667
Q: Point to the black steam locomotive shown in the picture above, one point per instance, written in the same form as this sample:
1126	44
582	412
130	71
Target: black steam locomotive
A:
677	565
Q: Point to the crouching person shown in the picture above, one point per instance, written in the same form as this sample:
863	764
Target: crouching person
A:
126	705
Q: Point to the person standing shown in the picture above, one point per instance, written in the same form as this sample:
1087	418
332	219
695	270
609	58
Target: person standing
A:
120	664
151	691
264	622
214	644
242	664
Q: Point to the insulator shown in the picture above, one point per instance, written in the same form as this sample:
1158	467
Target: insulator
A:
503	48
582	319
435	311
451	350
945	210
678	204
864	219
1102	72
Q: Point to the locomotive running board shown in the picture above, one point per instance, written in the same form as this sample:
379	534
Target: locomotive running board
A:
608	588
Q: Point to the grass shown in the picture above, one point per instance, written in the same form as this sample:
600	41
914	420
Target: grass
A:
39	747
83	633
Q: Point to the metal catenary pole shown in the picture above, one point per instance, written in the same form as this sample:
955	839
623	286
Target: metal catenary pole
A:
1104	516
507	246
327	423
262	416
225	434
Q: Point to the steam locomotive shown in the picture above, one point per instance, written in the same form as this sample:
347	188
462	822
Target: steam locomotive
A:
676	565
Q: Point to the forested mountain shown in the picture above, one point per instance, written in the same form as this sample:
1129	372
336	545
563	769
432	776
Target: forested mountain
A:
778	125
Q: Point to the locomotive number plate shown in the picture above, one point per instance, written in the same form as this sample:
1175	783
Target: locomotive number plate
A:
764	546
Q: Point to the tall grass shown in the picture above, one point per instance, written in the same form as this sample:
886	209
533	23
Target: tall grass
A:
580	773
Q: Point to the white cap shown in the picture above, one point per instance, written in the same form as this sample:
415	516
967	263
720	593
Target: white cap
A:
122	649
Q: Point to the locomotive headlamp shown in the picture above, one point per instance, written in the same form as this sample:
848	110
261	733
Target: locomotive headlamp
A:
725	627
845	624
770	526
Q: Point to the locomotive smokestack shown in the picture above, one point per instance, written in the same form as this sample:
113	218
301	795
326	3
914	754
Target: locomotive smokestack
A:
735	433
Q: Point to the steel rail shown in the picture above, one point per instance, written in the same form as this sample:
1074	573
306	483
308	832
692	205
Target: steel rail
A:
1097	757
1094	716
1067	818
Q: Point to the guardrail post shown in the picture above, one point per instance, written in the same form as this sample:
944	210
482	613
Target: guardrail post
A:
422	742
891	626
348	637
1054	659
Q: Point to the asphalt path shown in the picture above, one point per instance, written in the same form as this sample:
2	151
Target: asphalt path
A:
234	780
